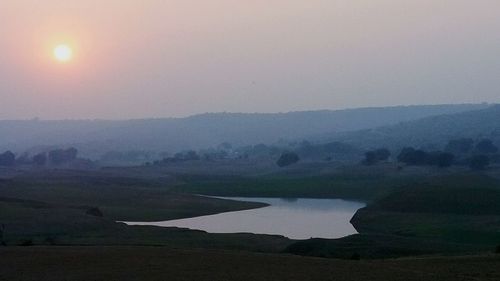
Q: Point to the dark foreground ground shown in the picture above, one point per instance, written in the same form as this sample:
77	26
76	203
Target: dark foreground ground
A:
159	263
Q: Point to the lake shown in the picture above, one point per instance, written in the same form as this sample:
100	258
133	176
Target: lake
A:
294	218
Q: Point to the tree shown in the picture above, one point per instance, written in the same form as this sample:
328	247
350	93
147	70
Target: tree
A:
445	159
486	146
374	156
479	162
411	156
61	156
7	159
24	159
192	155
370	158
382	154
287	159
460	146
40	159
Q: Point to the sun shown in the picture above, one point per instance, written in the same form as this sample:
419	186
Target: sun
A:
63	53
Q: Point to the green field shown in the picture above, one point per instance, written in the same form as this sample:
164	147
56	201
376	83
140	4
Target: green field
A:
410	212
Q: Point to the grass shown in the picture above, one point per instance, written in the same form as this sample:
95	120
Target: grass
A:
159	263
413	212
357	188
117	201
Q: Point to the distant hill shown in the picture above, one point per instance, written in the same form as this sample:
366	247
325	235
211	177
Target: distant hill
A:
95	137
434	131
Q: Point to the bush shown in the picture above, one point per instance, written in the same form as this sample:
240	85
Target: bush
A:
94	212
27	242
356	257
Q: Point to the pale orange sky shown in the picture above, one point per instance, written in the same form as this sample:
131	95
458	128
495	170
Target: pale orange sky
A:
175	58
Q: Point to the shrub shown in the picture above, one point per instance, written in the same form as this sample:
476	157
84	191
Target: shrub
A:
356	257
27	242
94	212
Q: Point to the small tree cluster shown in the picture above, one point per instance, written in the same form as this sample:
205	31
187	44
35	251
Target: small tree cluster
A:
375	156
7	159
61	156
287	159
417	157
460	146
479	162
40	159
486	146
468	146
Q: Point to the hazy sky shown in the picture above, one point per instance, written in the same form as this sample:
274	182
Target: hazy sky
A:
156	58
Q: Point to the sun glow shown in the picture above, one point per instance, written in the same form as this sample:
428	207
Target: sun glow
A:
63	53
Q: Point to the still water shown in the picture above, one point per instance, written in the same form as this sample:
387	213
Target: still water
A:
294	218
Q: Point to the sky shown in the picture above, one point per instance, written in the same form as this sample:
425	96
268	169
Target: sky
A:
170	58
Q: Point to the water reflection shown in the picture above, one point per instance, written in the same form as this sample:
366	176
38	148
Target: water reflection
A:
298	218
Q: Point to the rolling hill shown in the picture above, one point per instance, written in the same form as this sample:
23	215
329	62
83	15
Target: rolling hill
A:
431	132
95	137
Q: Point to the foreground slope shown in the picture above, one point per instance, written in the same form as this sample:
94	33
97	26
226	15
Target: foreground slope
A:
158	263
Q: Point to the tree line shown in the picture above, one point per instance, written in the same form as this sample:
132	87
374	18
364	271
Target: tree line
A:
53	157
477	155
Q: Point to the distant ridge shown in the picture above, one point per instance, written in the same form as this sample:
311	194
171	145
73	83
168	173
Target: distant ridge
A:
95	137
430	131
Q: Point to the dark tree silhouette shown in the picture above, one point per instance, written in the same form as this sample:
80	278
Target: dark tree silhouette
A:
370	158
486	146
382	154
94	211
40	159
445	159
373	157
192	155
7	159
460	146
411	156
62	156
287	159
24	159
479	162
